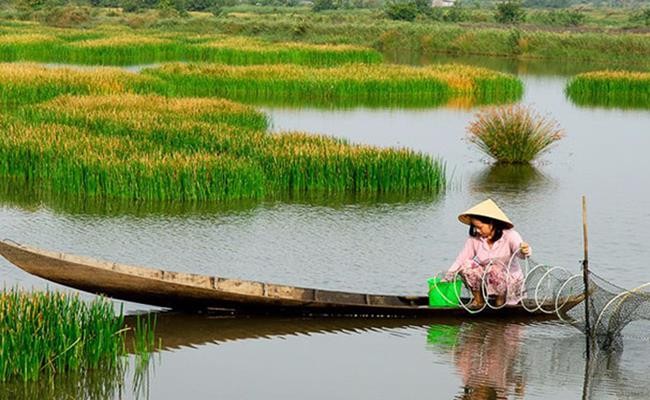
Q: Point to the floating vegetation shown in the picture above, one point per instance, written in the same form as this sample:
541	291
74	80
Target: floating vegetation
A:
513	134
622	89
47	333
123	48
155	148
347	85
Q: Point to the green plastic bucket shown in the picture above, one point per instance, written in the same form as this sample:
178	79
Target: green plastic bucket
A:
444	294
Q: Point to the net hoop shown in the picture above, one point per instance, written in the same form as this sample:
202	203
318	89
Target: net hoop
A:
623	296
557	298
525	285
539	304
469	310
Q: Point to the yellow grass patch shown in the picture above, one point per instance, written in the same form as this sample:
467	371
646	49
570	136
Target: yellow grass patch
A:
121	41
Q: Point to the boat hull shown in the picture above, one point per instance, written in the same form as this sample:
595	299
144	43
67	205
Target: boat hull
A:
193	292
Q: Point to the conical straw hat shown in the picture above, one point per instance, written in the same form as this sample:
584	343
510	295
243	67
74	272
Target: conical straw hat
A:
488	208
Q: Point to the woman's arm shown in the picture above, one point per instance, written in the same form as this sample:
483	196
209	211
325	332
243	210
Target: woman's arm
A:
468	252
517	245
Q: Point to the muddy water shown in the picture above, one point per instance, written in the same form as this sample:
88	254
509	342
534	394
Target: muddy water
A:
388	246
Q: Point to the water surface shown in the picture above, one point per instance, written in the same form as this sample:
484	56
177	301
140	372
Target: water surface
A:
388	246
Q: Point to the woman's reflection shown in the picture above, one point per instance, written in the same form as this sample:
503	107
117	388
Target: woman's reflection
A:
485	356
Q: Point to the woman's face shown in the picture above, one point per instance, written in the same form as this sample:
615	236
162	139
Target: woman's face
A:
484	230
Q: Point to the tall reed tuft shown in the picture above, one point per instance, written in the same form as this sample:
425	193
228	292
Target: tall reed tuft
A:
513	134
48	333
623	89
192	149
124	48
346	85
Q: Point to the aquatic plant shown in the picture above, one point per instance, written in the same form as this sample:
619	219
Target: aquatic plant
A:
155	148
48	333
356	84
24	83
124	48
513	134
624	89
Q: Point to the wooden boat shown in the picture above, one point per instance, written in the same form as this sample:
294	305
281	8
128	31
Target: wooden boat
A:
192	292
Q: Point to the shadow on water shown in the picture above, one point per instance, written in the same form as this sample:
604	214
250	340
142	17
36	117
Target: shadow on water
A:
494	358
510	178
498	361
537	67
178	330
101	383
117	381
484	355
30	197
623	100
383	102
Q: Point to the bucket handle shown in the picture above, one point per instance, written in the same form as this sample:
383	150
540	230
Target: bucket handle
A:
435	286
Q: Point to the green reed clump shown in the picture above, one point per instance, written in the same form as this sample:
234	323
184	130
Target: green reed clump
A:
352	84
155	148
23	83
123	48
46	333
309	163
623	89
513	134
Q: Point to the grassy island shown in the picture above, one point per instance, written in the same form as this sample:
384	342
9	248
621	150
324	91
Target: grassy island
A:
125	47
623	89
148	147
352	84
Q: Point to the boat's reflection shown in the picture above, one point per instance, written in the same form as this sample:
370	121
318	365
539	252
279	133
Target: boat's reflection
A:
177	330
494	359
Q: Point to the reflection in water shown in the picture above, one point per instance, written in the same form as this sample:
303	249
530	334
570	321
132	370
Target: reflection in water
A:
102	383
595	98
510	178
538	67
497	360
177	330
485	358
29	198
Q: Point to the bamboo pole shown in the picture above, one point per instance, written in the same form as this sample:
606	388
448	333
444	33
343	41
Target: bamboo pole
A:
585	269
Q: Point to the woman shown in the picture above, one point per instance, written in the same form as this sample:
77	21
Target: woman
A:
487	258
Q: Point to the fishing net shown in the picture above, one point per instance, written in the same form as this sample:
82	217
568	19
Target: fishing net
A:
550	289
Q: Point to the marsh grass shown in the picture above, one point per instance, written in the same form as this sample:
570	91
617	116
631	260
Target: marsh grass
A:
136	147
124	48
352	84
48	333
622	89
513	134
26	83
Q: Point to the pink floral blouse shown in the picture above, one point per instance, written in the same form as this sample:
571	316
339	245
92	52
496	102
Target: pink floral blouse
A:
499	257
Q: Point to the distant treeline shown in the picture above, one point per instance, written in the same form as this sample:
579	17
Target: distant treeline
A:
571	3
135	5
208	5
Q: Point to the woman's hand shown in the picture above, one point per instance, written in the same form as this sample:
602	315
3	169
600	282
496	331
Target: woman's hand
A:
525	249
